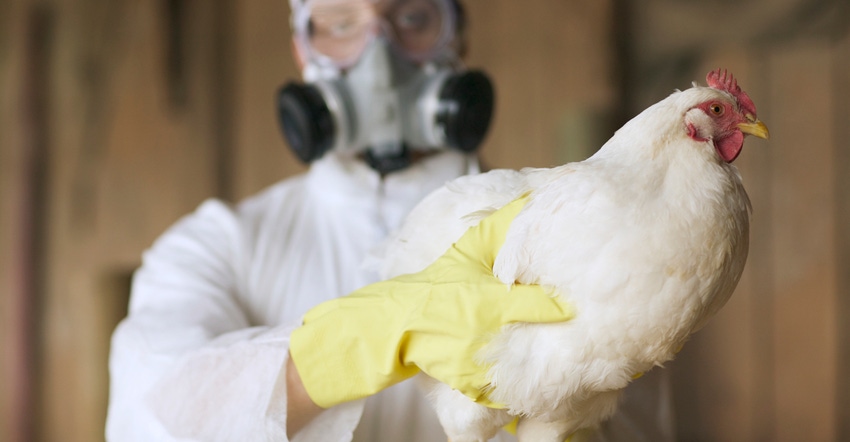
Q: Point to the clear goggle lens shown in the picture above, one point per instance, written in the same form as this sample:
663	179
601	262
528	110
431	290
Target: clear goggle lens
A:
338	31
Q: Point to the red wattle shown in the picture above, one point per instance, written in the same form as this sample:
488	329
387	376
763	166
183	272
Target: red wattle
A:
730	147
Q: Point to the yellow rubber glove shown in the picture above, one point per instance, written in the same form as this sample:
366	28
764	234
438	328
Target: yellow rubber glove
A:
435	321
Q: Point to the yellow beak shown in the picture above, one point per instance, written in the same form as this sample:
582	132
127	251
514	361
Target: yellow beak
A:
754	127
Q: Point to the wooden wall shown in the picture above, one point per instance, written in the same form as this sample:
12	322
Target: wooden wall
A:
769	367
112	129
119	116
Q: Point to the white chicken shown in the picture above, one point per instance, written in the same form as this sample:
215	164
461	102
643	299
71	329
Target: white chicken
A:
647	239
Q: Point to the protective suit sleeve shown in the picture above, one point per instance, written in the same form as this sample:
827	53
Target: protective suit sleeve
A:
186	364
435	321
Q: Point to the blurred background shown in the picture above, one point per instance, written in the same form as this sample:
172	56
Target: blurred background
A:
119	116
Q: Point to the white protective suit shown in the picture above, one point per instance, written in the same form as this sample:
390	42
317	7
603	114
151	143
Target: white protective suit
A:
201	355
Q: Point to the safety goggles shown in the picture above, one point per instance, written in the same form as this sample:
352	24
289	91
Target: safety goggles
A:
336	32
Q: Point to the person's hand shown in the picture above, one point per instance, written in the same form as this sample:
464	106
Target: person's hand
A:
434	321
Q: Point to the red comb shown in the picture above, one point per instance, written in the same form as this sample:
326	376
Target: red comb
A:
724	81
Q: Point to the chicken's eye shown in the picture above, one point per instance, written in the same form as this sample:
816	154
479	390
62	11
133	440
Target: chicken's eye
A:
717	109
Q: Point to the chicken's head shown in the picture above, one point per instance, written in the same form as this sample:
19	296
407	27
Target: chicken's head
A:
725	118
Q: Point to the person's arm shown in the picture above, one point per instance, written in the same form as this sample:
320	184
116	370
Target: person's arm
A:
187	362
300	409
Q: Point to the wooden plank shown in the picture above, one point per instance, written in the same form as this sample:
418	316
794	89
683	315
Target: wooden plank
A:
11	180
16	362
804	240
135	147
841	118
25	86
265	63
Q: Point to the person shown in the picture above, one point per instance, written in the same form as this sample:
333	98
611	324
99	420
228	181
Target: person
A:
386	114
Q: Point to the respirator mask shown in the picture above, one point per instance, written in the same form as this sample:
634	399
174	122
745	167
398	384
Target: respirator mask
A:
381	79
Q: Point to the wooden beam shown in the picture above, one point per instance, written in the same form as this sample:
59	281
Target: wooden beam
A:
841	117
25	90
134	146
804	240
